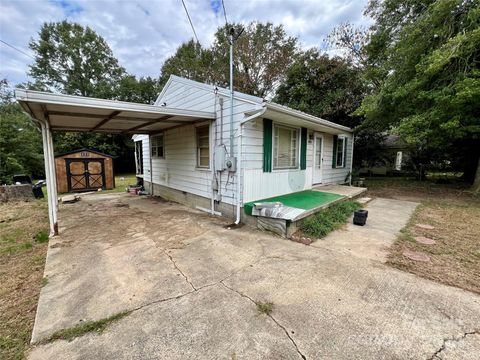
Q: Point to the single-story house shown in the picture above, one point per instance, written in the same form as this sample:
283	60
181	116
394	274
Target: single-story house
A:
188	150
219	165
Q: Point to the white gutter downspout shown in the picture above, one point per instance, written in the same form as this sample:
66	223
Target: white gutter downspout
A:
240	160
351	161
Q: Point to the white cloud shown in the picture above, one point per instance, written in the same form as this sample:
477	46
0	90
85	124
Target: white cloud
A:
143	33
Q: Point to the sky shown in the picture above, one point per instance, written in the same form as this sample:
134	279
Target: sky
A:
144	33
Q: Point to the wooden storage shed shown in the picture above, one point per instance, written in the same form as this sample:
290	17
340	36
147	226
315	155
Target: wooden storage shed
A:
84	170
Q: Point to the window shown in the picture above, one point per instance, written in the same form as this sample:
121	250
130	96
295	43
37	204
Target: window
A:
285	147
340	152
157	146
203	146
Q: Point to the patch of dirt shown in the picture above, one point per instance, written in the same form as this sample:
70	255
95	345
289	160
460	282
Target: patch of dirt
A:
22	261
455	256
168	224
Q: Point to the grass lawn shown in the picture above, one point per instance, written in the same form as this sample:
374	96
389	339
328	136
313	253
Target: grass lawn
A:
122	181
23	248
454	212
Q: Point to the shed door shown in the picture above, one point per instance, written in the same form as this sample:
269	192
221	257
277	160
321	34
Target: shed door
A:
85	174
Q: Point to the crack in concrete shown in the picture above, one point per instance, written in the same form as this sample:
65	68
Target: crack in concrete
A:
179	270
452	339
270	316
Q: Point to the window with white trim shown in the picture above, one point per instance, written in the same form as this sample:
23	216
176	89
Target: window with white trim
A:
285	147
203	146
340	152
157	145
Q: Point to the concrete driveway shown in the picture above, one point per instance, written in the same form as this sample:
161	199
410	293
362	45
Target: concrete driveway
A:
192	286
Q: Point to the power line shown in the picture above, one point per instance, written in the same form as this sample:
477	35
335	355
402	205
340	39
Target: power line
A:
224	13
190	20
20	51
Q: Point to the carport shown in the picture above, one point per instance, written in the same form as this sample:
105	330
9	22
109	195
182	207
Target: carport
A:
56	112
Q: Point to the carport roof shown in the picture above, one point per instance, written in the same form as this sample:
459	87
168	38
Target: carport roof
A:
78	113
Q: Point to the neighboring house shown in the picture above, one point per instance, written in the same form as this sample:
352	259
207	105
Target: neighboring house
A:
281	150
391	157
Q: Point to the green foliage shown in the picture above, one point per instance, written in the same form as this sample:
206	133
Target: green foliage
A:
330	88
428	53
74	60
332	218
265	307
143	90
41	237
190	61
262	54
20	140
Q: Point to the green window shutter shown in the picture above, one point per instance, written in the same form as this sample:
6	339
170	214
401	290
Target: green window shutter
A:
267	145
345	153
334	157
303	149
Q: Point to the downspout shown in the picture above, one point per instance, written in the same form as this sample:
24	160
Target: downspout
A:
240	160
150	158
351	161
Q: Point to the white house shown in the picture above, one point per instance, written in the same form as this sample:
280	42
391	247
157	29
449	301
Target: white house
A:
219	165
187	147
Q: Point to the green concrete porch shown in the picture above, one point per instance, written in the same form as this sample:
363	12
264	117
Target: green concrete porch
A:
281	214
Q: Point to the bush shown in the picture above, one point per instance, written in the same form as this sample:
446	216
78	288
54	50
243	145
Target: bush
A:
325	221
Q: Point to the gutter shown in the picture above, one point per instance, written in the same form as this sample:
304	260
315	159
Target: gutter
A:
306	117
240	155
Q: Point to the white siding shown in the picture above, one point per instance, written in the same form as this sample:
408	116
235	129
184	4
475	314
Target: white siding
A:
258	184
338	175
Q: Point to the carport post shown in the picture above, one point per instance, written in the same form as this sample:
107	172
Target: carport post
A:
50	177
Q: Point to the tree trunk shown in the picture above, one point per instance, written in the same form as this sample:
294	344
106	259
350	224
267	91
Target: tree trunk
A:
476	182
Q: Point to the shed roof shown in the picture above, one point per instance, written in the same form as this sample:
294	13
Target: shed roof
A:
78	113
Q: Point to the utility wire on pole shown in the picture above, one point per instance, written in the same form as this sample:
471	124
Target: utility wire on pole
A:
20	51
224	13
190	20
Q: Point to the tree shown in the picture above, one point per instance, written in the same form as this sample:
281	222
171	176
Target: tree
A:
20	140
74	60
143	90
428	53
330	88
262	54
190	61
352	41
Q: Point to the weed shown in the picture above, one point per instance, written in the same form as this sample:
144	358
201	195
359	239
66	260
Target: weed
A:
325	221
265	307
41	237
89	326
44	281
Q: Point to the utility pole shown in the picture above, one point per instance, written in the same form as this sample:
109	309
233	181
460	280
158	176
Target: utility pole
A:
231	37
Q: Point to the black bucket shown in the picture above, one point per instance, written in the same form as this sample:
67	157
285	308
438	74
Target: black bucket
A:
360	217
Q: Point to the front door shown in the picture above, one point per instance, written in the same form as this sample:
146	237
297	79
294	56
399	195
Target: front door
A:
317	159
85	174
